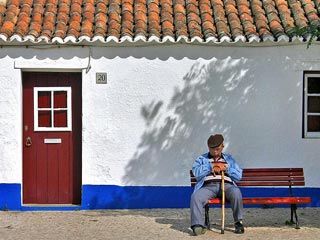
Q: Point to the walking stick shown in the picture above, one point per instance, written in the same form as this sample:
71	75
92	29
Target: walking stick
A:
223	202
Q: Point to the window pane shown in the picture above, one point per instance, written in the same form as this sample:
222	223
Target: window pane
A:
313	85
60	118
60	99
313	123
314	104
44	118
44	99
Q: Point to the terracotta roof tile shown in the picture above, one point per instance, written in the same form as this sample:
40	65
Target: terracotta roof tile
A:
193	19
285	15
298	13
100	20
10	18
246	18
23	20
166	18
233	19
220	20
180	20
127	26
154	27
207	22
160	20
273	18
310	11
2	13
260	19
140	18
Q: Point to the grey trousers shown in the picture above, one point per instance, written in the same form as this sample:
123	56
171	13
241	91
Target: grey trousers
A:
200	198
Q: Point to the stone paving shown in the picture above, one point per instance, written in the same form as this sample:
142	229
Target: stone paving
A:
153	224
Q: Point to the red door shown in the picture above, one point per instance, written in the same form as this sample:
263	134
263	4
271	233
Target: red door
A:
52	138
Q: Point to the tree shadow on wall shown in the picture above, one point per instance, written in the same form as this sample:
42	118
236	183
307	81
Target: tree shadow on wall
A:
175	134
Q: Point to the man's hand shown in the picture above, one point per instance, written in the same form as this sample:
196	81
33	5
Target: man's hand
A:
217	167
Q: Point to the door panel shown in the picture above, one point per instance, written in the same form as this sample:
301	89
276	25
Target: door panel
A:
52	138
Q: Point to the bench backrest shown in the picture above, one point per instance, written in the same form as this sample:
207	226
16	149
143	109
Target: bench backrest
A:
268	177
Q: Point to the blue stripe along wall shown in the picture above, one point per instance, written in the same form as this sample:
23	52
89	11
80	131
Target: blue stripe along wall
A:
138	197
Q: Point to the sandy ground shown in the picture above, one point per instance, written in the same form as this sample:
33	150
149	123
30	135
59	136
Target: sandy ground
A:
154	224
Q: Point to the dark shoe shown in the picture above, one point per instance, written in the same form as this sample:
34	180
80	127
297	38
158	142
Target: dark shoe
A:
198	230
239	228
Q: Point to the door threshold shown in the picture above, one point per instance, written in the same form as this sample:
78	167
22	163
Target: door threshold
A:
48	204
50	207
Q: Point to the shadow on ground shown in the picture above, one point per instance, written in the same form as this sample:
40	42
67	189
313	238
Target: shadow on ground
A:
179	219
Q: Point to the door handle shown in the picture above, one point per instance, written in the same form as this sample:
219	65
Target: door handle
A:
28	142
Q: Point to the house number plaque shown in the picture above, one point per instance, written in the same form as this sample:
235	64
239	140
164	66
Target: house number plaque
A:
101	78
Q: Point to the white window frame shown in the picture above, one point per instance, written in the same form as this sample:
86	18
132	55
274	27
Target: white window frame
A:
308	134
52	109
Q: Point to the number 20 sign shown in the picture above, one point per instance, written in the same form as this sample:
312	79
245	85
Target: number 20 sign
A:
101	78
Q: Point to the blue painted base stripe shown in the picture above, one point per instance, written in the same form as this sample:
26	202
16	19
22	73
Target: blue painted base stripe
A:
116	197
10	196
139	197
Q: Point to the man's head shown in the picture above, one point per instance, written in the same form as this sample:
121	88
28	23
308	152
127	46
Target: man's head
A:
215	144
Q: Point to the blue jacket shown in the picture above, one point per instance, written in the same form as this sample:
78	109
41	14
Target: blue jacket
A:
202	167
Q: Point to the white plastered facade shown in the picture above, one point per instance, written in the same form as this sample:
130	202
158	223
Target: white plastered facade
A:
160	104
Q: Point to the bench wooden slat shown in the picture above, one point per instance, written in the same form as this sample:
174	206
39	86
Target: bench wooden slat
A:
268	178
260	184
252	174
273	170
269	172
269	200
273	178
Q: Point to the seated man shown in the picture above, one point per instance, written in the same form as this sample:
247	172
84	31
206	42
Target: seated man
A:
207	170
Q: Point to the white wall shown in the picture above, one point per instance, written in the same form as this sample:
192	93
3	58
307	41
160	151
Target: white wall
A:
10	122
146	126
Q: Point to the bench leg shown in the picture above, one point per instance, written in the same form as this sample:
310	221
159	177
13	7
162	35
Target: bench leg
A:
294	211
207	218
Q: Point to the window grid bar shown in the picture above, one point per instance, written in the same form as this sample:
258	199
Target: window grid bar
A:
309	134
52	90
51	111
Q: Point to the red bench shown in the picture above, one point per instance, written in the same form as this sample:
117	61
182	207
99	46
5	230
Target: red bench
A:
267	177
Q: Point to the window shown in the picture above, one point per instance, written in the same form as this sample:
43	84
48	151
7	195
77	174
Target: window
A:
52	109
312	105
